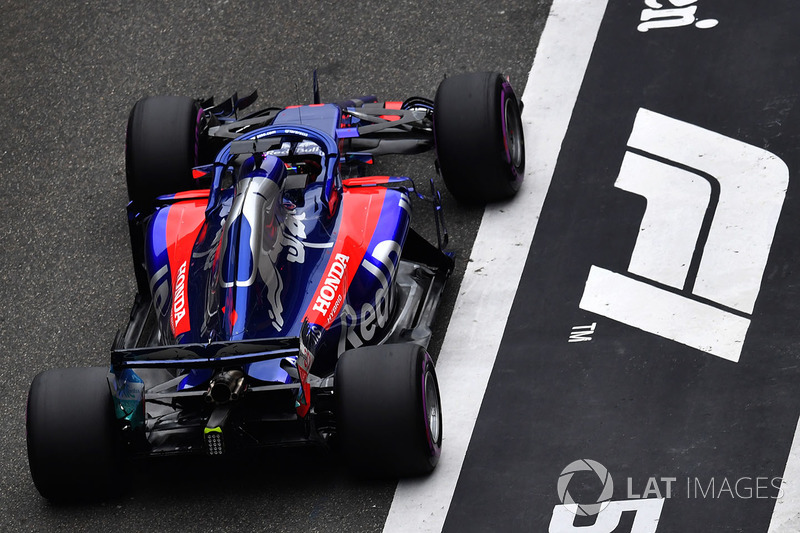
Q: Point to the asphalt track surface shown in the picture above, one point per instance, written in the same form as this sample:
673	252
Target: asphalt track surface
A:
70	75
653	338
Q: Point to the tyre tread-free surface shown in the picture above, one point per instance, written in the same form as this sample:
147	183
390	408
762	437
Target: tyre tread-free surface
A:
161	147
470	123
382	421
72	444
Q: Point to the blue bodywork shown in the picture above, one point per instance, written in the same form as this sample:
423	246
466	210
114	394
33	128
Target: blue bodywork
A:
259	257
264	275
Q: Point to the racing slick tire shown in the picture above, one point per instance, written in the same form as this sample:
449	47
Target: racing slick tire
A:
161	147
478	136
389	419
73	448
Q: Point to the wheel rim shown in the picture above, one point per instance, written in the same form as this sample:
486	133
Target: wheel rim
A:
512	126
432	413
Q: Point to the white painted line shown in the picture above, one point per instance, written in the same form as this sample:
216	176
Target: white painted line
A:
645	520
786	513
498	257
676	207
663	313
753	185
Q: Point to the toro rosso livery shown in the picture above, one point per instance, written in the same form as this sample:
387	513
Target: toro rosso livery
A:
283	296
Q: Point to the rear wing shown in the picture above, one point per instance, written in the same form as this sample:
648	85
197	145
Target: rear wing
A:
212	355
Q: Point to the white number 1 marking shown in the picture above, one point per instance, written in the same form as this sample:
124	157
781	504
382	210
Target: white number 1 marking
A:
710	310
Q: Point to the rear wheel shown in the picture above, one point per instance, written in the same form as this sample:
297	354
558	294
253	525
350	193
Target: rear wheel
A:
478	134
389	418
73	446
162	147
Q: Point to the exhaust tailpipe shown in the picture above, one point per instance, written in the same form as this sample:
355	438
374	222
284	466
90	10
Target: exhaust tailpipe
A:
225	387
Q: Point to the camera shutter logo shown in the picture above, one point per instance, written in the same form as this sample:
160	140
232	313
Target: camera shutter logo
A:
585	465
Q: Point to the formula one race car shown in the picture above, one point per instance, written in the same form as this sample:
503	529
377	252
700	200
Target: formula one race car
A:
283	297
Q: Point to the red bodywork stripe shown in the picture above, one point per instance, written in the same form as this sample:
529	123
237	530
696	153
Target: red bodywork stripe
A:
366	180
392	105
192	194
197	174
362	209
184	221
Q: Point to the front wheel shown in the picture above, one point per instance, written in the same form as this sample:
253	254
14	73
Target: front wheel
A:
389	417
477	130
161	147
73	447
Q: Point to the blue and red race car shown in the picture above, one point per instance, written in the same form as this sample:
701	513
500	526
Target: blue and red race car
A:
283	296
